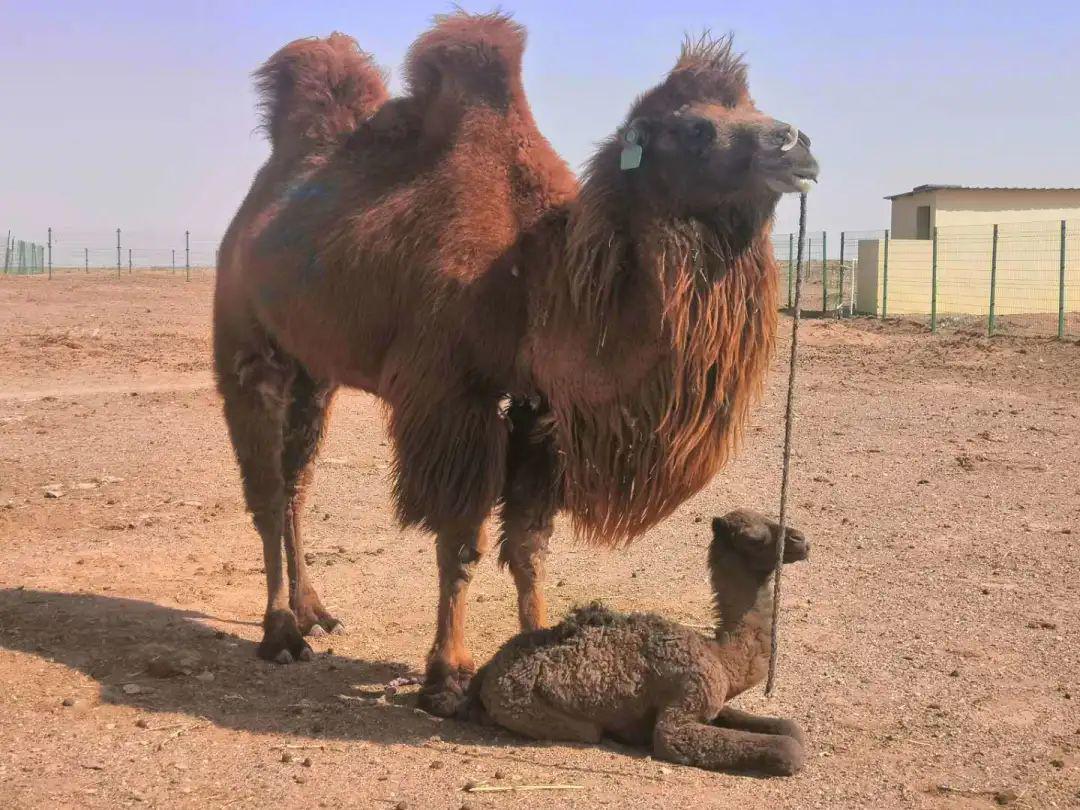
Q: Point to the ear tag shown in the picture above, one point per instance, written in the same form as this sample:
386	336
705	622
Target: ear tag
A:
632	151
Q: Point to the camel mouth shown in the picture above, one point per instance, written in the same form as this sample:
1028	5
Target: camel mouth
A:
790	167
796	550
792	182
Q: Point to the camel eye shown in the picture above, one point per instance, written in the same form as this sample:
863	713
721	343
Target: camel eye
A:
698	132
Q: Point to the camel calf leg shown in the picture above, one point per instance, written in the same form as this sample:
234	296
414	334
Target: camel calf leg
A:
686	740
759	724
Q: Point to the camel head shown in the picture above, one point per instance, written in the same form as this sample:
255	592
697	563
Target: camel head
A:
696	143
746	541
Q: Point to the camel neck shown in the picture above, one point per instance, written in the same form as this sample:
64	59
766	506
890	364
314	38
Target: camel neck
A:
744	628
651	342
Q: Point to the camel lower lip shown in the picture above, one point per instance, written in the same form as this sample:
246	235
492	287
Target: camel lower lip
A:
791	184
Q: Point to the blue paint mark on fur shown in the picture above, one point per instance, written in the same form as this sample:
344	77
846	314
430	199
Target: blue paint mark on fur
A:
297	239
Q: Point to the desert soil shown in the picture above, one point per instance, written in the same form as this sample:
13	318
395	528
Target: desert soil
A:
929	648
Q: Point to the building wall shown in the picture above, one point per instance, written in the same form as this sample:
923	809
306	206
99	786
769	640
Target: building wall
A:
908	281
904	221
868	277
956	208
1028	271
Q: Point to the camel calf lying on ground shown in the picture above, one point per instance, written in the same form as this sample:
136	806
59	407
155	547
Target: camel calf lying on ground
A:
639	678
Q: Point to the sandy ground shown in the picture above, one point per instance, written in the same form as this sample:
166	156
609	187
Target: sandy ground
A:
930	647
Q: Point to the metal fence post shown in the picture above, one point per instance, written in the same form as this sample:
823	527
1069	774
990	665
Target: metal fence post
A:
7	253
129	260
86	260
187	253
174	261
933	283
118	253
790	266
50	253
824	273
885	279
993	284
843	270
1061	285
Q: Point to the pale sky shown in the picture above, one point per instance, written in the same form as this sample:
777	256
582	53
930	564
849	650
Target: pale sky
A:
140	115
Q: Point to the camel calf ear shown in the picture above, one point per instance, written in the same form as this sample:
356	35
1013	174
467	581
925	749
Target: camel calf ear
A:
719	527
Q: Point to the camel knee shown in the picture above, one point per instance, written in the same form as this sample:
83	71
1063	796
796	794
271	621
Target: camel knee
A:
458	553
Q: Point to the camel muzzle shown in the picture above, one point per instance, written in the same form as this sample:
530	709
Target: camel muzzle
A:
785	160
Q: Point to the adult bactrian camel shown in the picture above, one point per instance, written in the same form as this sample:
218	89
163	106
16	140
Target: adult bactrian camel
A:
537	344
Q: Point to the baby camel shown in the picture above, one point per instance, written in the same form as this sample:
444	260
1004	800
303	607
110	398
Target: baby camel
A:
639	678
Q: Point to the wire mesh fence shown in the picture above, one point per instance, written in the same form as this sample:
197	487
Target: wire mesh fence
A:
117	251
23	258
830	264
1015	278
123	250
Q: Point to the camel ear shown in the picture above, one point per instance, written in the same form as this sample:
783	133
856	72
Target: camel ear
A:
634	137
720	528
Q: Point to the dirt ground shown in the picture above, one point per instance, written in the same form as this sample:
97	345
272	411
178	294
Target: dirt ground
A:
929	648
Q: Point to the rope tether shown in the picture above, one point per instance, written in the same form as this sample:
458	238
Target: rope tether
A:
789	418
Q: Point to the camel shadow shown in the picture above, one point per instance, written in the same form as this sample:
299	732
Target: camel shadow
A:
111	639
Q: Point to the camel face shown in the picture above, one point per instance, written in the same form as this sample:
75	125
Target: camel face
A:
751	538
698	143
707	154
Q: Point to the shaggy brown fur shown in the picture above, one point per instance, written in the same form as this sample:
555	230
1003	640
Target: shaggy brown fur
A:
434	250
644	680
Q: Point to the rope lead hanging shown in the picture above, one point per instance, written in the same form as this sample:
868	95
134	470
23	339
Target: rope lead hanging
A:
789	418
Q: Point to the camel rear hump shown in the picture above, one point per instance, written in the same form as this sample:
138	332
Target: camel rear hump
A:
313	92
467	59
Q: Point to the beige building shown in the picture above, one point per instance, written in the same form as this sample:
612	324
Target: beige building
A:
1027	267
915	213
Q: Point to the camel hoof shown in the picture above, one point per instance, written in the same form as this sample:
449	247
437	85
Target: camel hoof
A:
444	694
442	703
282	642
316	622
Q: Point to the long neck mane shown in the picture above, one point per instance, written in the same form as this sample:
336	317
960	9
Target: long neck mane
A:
672	324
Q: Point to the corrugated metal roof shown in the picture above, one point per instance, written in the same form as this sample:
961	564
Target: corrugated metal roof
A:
946	187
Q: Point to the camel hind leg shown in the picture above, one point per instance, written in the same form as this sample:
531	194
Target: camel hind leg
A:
255	382
305	423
